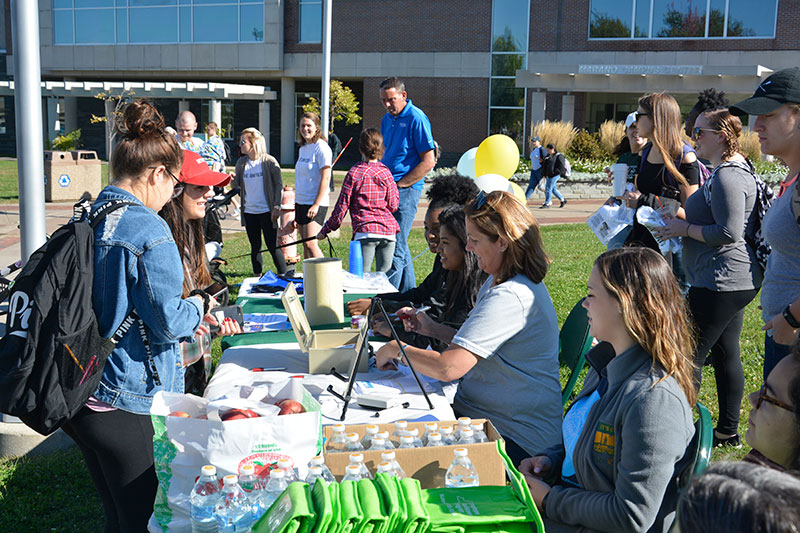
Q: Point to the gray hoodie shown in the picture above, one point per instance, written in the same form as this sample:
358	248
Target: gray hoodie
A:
628	451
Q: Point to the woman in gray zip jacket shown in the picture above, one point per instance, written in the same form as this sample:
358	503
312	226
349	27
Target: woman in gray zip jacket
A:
625	435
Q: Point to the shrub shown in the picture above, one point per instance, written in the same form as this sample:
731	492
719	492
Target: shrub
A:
560	134
586	146
68	141
770	171
590	166
751	148
611	133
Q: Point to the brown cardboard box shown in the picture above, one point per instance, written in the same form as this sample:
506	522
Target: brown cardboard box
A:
428	465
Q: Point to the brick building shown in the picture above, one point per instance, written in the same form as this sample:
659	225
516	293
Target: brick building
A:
476	67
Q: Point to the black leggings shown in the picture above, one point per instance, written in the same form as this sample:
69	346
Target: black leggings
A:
117	447
718	318
255	225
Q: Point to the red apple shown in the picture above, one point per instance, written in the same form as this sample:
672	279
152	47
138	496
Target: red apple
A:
238	414
182	414
290	407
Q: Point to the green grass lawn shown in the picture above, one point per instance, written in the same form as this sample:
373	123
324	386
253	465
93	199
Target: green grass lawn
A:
54	493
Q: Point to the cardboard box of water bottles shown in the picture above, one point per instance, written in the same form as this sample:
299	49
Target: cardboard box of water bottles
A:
427	464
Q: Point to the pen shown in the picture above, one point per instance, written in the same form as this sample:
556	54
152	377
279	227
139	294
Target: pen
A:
396	408
270	369
418	310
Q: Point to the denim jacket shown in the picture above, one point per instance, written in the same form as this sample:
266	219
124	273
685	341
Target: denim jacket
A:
137	265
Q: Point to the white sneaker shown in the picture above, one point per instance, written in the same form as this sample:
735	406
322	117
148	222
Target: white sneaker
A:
235	213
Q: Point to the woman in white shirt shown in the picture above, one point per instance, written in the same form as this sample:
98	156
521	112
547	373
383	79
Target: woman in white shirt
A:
312	174
258	176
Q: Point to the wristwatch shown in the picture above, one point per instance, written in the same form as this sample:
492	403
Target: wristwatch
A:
787	314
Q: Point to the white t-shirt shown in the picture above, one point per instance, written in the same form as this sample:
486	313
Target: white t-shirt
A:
253	183
307	174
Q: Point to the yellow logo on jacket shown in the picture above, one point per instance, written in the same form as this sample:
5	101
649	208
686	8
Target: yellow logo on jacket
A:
604	440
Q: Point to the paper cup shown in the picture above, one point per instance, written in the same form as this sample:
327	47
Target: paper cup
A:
619	173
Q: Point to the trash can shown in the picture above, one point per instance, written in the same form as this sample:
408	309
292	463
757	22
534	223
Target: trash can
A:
69	174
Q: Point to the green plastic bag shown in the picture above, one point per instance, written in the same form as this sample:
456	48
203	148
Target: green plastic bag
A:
321	499
374	515
389	490
350	509
292	512
417	519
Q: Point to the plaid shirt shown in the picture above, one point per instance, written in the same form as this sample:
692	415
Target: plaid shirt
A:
370	193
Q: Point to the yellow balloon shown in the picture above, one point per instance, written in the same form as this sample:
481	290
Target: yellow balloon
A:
517	191
497	154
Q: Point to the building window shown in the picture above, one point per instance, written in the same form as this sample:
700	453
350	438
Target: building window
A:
157	21
509	52
681	19
310	15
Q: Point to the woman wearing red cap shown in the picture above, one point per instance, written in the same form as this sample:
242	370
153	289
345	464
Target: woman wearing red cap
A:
184	216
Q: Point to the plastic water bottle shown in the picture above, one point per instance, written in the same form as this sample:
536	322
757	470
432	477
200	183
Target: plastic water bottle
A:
447	435
355	262
314	473
358	460
434	440
352	473
461	473
386	468
406	441
463	423
353	444
378	444
391	457
400	429
203	501
338	439
385	436
478	433
275	487
288	467
371	432
233	508
467	437
319	461
254	488
430	427
415	435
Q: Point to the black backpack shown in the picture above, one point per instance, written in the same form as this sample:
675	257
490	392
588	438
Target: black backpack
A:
52	356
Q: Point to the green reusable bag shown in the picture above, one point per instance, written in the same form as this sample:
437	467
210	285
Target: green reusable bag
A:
292	512
321	499
417	519
336	509
350	509
389	491
374	515
509	508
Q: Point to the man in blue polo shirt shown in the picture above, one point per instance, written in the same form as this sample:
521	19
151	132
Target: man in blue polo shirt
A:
410	156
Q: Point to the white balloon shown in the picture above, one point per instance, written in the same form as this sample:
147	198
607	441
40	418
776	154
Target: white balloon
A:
466	164
492	182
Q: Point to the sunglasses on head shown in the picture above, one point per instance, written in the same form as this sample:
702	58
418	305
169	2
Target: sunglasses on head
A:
481	201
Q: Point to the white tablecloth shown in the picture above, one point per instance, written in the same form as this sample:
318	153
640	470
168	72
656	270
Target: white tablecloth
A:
236	364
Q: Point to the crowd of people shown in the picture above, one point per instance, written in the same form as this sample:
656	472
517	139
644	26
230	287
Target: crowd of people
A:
610	461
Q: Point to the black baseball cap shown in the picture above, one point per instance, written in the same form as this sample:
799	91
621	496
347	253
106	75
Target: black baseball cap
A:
782	87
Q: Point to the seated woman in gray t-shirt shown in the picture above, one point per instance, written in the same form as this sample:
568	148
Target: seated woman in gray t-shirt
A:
506	352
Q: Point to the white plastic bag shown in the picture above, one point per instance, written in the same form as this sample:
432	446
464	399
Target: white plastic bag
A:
609	220
651	219
181	446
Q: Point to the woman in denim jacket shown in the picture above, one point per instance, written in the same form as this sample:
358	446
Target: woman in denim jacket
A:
137	267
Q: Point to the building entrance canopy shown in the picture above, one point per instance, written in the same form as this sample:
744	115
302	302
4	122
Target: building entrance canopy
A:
151	89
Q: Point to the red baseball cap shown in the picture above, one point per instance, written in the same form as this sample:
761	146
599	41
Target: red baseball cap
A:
196	172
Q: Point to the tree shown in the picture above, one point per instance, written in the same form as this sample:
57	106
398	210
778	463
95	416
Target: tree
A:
605	26
344	106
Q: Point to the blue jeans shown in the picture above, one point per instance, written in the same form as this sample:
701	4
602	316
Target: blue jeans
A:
401	275
550	190
536	177
773	353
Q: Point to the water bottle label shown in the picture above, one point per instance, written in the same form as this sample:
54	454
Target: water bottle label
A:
203	513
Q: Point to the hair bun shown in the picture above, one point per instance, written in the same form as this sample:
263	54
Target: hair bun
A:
140	119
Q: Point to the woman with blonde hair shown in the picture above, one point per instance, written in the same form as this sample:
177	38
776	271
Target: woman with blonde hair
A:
258	176
626	432
669	171
506	352
720	261
312	174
